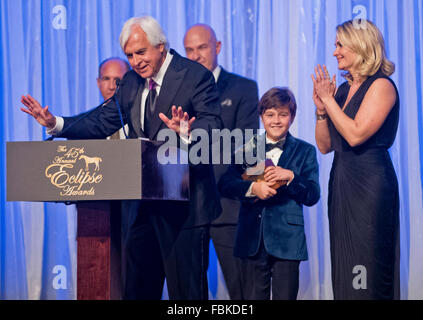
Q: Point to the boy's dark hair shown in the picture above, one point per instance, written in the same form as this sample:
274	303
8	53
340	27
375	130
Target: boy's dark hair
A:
278	97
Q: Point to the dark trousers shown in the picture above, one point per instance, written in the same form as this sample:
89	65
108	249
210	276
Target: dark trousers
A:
279	276
157	247
236	271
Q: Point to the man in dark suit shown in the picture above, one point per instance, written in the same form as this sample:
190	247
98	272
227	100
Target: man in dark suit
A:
164	239
271	224
238	99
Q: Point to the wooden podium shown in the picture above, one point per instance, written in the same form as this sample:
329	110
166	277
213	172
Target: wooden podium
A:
94	174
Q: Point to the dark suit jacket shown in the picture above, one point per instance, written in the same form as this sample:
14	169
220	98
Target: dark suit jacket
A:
239	100
279	219
187	84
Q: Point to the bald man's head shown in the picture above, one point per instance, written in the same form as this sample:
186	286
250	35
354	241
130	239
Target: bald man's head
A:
108	71
202	46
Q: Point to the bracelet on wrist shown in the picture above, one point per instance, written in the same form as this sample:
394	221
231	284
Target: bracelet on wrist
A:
321	116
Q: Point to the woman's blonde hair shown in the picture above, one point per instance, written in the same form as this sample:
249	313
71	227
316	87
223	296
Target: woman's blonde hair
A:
365	39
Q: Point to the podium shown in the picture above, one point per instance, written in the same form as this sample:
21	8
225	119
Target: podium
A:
93	174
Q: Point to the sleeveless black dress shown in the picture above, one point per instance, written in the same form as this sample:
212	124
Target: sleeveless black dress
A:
363	208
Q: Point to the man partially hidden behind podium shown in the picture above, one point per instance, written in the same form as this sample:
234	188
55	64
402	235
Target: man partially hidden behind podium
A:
164	239
110	71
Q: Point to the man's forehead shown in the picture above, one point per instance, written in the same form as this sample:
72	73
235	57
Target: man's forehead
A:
198	34
113	65
137	40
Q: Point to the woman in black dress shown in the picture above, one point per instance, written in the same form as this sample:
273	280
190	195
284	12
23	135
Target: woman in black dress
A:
359	121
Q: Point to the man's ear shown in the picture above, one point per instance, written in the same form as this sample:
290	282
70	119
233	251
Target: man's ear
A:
218	47
161	47
98	83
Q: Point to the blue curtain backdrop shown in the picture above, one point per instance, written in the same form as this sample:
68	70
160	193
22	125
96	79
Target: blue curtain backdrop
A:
51	49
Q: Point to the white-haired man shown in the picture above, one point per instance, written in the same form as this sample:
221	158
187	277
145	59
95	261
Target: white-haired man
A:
164	239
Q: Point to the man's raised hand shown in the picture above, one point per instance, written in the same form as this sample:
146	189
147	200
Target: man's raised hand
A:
180	122
42	115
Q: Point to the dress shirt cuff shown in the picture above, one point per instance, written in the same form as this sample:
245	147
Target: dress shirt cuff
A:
249	193
57	128
287	184
186	139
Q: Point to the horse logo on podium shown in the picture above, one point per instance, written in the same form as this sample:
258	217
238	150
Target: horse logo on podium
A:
74	172
88	160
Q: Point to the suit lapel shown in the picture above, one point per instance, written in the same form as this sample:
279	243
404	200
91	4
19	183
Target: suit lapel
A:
136	111
172	81
288	151
221	81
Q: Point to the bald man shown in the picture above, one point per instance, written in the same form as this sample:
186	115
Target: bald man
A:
109	71
238	100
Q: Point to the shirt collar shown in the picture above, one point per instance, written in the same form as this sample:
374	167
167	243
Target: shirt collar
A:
268	140
216	73
158	78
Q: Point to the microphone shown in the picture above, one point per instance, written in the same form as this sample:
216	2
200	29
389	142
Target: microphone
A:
118	83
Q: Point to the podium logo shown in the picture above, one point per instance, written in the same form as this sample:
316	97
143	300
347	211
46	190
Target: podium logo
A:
73	172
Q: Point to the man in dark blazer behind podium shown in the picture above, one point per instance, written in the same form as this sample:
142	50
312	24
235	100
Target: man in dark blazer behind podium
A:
164	240
238	99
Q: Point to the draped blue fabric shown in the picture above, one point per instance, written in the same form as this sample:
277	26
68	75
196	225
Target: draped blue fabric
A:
52	49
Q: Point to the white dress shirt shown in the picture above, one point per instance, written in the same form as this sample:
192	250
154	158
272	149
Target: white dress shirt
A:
158	79
216	73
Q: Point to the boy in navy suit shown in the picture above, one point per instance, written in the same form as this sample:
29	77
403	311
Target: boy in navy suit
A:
270	232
